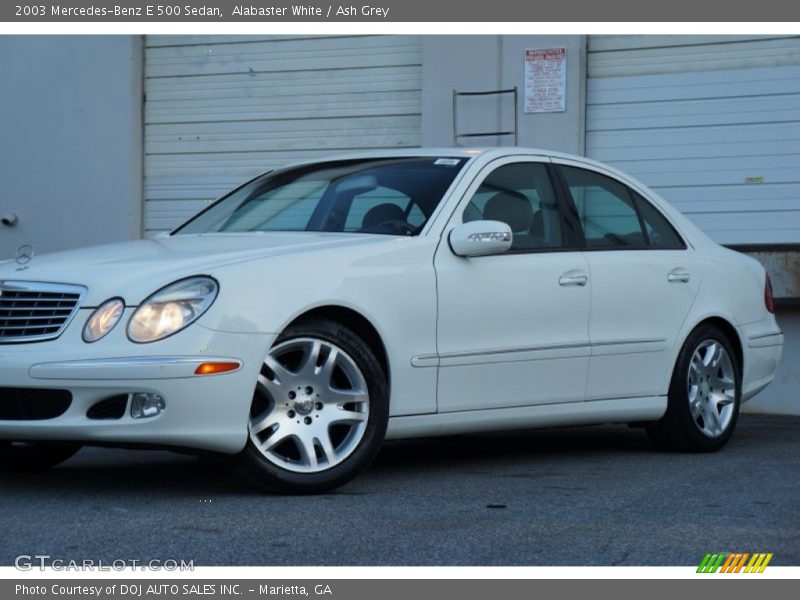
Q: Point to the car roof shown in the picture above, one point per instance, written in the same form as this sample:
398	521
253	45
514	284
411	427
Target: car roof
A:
470	153
448	152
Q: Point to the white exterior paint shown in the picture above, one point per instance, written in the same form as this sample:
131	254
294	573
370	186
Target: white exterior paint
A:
221	109
393	281
712	123
483	303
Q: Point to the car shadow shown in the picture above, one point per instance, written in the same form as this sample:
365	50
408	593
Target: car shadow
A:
109	471
537	444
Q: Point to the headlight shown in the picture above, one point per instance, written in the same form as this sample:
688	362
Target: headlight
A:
171	309
103	320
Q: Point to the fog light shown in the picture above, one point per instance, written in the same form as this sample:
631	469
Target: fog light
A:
146	405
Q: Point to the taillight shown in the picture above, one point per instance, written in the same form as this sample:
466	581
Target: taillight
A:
768	301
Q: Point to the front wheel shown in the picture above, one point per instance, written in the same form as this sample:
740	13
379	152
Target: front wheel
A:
21	457
319	413
704	395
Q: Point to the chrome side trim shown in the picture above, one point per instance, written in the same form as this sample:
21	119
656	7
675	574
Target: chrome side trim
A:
425	360
432	360
513	350
625	342
764	335
765	340
158	367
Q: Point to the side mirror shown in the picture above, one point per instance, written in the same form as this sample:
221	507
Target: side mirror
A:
481	238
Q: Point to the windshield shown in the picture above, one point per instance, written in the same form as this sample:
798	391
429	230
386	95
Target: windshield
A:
390	196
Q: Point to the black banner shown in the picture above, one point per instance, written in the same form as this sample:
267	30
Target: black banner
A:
148	11
372	589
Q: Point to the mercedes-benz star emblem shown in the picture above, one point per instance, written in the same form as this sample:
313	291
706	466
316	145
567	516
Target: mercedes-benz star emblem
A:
24	254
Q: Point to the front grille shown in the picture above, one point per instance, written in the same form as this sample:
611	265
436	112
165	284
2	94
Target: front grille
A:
29	404
34	312
110	408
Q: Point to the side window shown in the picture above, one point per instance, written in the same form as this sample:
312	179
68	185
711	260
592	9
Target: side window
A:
521	195
660	233
606	210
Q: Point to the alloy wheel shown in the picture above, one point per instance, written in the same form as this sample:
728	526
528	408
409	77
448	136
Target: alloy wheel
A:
311	406
711	388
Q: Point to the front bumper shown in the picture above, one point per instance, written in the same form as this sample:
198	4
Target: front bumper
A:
207	412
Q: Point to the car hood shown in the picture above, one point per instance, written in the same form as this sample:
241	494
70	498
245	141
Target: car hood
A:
134	270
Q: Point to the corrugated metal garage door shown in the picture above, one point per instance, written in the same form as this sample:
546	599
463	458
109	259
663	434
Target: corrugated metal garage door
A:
711	122
220	110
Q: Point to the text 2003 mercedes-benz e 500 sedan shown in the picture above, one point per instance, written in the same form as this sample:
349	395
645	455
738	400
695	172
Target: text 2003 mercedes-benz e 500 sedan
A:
319	309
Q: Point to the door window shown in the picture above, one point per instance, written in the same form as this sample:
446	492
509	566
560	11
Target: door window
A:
520	195
606	210
613	216
660	233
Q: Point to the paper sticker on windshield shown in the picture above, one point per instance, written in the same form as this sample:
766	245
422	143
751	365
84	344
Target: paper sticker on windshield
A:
447	162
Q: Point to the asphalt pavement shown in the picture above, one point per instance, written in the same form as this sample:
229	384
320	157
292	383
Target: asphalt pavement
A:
579	496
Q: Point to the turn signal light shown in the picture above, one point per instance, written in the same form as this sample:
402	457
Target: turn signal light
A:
212	368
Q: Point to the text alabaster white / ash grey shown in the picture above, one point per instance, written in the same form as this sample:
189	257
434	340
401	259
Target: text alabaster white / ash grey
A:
302	10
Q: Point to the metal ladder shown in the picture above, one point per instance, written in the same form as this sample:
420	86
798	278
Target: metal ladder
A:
515	132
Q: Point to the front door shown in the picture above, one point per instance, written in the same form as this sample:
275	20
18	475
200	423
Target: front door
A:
513	328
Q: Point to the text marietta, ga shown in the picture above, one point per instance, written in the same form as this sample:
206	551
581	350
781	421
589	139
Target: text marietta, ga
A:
139	590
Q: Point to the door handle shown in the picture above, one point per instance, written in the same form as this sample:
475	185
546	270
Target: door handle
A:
679	276
573	279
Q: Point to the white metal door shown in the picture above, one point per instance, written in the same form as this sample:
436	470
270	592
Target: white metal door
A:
640	293
512	329
220	110
712	123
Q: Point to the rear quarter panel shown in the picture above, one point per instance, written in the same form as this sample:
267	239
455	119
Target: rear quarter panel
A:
733	290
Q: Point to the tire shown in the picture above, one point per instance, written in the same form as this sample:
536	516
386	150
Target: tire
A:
704	395
18	457
319	412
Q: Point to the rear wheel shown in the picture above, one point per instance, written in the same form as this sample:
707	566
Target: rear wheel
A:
704	395
319	412
20	457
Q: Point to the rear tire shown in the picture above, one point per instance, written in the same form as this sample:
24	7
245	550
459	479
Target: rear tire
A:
18	457
319	413
704	395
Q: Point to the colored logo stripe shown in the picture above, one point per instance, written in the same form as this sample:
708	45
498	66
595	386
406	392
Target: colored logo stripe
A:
734	562
758	563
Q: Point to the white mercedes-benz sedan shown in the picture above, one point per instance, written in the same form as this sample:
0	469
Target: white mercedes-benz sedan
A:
319	309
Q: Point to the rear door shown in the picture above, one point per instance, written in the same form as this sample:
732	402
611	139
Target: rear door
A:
644	281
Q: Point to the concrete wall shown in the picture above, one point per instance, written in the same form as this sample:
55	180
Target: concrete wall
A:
70	149
476	63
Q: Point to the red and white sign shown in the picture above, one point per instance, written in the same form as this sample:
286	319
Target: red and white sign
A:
545	80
